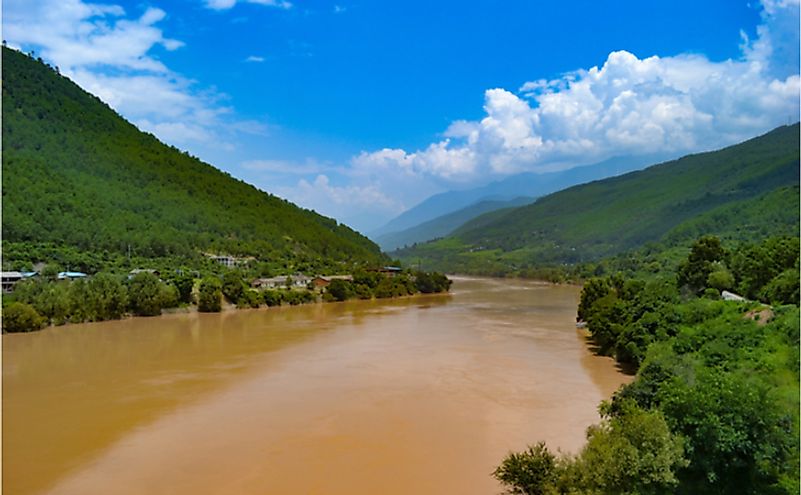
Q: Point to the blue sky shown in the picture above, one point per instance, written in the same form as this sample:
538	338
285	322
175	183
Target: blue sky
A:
362	109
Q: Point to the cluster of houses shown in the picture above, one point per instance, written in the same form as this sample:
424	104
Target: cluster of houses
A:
304	281
296	281
10	279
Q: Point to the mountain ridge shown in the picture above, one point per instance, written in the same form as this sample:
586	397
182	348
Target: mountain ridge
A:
78	175
607	217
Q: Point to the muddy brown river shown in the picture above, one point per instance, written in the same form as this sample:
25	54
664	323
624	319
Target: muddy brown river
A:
423	395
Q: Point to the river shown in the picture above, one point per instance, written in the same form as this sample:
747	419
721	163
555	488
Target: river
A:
420	395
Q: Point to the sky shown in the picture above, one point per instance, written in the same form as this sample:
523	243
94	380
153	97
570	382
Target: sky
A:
361	110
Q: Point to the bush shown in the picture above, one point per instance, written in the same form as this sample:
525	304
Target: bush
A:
144	293
21	317
209	298
272	297
531	472
340	290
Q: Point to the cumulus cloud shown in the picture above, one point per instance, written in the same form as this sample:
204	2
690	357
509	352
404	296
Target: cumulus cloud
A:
358	205
108	52
254	58
228	4
627	106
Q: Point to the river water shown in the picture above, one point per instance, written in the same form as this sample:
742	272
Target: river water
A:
421	395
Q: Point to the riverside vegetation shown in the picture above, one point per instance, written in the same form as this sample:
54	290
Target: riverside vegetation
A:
714	407
106	296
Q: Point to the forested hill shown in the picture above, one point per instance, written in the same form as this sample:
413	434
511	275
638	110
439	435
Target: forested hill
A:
77	175
744	192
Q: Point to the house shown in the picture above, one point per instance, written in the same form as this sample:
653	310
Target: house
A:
731	296
389	271
322	281
71	275
297	281
137	271
9	279
227	261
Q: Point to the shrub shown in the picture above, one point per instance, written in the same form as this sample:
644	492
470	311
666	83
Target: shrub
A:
21	317
209	298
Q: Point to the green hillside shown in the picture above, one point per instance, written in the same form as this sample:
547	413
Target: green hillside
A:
744	192
445	224
79	178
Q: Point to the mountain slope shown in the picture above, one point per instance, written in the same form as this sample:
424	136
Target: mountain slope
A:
76	174
445	224
737	192
526	184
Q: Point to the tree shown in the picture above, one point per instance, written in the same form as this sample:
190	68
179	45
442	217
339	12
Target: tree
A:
144	294
232	286
594	289
633	452
531	472
339	289
108	297
695	270
21	317
209	295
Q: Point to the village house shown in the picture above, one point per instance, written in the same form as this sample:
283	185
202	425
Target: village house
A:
137	271
295	281
9	279
320	281
71	275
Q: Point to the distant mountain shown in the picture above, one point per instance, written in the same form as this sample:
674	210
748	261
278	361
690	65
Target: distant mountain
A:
747	192
444	225
78	176
527	184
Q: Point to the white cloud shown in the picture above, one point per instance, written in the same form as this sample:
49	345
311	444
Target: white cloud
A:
254	58
362	207
628	105
108	52
228	4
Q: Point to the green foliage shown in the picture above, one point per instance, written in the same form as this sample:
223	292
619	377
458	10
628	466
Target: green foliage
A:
531	472
184	283
145	294
632	452
783	289
720	279
209	299
107	297
593	290
21	317
79	179
432	282
232	286
705	257
272	297
397	286
249	299
754	266
340	290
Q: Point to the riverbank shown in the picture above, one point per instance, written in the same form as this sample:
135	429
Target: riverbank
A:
37	303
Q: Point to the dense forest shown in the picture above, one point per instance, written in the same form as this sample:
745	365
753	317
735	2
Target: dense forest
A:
714	407
85	189
746	191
